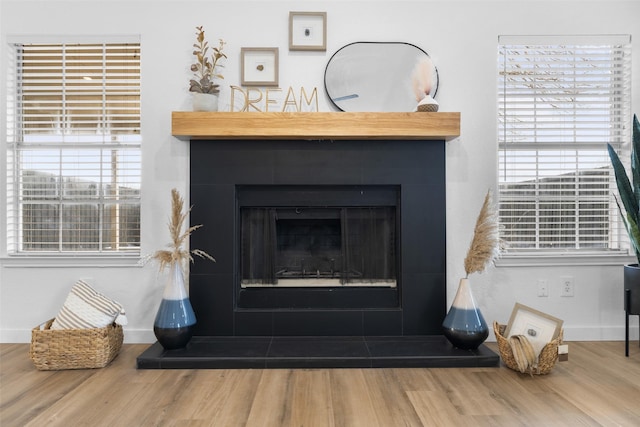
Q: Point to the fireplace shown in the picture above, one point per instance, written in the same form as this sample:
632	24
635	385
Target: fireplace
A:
319	237
329	235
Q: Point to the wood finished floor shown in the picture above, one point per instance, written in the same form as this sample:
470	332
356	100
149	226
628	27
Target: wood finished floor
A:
598	386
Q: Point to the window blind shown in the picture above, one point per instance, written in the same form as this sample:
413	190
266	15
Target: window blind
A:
74	147
560	101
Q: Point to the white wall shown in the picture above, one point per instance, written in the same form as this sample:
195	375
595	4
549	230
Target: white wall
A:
461	37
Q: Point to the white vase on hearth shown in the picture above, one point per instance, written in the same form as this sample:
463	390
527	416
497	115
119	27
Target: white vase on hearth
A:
175	319
464	326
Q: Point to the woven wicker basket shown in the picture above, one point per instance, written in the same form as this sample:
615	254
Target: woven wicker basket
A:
56	349
546	360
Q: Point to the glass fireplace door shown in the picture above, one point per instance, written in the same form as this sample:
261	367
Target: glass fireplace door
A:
318	246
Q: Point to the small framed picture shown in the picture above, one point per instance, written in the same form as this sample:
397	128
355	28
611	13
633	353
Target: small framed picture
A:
307	30
538	327
259	66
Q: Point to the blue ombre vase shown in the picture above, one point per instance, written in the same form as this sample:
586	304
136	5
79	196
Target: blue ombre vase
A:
175	320
464	325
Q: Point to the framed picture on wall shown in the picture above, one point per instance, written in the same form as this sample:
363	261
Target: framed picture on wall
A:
307	30
259	66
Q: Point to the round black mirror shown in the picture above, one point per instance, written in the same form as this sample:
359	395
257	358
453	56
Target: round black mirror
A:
381	77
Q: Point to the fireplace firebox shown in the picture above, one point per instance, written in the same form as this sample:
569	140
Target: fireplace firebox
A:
297	239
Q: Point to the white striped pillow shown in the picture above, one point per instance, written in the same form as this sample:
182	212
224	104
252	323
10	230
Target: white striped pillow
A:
85	308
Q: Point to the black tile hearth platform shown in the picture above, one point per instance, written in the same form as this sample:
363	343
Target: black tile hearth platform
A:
208	352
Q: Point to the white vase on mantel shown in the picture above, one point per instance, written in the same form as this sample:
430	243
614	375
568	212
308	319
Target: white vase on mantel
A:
205	101
427	105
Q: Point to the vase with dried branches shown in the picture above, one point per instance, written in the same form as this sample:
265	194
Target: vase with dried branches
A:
175	320
464	326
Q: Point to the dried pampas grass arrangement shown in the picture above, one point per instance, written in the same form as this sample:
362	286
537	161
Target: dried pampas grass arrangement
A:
485	246
176	253
422	84
422	78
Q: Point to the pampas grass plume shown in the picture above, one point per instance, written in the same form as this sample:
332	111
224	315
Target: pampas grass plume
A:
485	246
176	253
421	78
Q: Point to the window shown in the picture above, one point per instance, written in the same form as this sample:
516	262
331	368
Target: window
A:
560	101
73	138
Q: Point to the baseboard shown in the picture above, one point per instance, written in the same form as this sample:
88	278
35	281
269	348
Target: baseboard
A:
139	336
131	336
604	333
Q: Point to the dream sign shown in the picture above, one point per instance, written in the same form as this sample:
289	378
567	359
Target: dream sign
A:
273	99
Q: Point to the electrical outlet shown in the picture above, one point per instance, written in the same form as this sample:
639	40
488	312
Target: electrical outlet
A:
566	289
543	288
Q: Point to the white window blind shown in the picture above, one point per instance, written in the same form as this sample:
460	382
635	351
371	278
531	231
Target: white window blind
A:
560	101
73	133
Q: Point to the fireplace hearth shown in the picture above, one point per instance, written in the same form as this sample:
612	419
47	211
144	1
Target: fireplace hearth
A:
334	241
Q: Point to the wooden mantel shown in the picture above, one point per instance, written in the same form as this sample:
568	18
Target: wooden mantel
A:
330	125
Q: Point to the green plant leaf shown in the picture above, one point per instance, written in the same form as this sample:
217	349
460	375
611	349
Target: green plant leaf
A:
634	235
625	190
630	195
635	161
632	231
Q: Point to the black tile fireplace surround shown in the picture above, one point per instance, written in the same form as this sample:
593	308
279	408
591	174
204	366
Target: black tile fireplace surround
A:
407	318
220	168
